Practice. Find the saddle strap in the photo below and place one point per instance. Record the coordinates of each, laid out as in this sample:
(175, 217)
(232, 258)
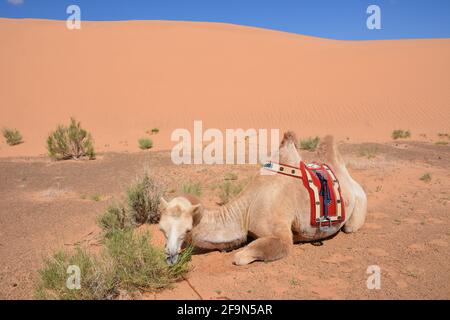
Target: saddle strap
(283, 169)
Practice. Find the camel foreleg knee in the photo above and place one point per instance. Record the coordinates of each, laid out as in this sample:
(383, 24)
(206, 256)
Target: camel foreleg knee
(265, 249)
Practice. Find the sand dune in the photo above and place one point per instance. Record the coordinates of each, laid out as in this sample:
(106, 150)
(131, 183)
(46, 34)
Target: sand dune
(123, 78)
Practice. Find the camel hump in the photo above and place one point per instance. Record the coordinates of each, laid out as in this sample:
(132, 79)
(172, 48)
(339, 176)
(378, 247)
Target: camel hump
(330, 153)
(289, 136)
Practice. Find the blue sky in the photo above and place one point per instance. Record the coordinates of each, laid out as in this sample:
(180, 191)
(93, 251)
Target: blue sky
(337, 19)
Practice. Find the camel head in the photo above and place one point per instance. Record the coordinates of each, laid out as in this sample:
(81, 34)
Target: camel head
(178, 217)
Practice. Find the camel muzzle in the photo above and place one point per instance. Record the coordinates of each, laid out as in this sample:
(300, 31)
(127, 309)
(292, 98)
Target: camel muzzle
(172, 259)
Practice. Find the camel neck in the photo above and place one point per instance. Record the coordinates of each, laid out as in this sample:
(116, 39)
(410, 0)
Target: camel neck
(224, 227)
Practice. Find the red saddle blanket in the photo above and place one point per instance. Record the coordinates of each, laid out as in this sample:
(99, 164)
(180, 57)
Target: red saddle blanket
(327, 205)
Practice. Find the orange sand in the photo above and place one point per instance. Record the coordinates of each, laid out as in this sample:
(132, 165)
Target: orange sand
(123, 78)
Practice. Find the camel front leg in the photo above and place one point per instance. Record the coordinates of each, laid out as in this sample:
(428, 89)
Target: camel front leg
(265, 248)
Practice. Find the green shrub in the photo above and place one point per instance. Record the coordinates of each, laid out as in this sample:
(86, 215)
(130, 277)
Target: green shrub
(128, 261)
(97, 277)
(231, 176)
(426, 177)
(309, 143)
(228, 190)
(400, 134)
(137, 264)
(114, 218)
(12, 136)
(145, 143)
(96, 197)
(193, 188)
(143, 200)
(72, 142)
(368, 152)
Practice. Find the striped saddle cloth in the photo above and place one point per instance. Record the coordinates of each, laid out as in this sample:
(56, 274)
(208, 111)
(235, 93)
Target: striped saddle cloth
(327, 205)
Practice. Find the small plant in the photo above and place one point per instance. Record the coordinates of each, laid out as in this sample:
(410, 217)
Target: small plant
(231, 176)
(97, 281)
(128, 261)
(426, 177)
(143, 200)
(70, 142)
(12, 136)
(137, 264)
(193, 188)
(441, 143)
(368, 152)
(145, 143)
(401, 134)
(96, 197)
(228, 190)
(154, 130)
(114, 218)
(293, 282)
(309, 143)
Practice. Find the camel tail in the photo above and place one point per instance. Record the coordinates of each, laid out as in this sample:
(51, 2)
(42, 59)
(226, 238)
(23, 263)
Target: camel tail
(328, 148)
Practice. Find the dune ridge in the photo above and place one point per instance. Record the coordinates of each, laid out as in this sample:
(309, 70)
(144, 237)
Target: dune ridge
(121, 79)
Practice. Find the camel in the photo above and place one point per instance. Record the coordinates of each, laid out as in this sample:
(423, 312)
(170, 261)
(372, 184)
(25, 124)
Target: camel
(273, 209)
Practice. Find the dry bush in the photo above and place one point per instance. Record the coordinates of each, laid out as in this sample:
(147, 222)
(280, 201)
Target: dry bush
(12, 136)
(309, 143)
(400, 134)
(72, 142)
(143, 200)
(128, 261)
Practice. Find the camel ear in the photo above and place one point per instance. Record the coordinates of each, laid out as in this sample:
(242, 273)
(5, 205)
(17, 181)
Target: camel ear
(196, 213)
(163, 204)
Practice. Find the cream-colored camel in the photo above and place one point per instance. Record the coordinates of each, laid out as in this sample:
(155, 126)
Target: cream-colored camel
(273, 209)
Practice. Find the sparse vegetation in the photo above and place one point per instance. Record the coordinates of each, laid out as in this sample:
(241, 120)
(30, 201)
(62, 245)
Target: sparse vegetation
(228, 190)
(116, 217)
(72, 142)
(145, 143)
(426, 177)
(231, 176)
(96, 197)
(12, 136)
(401, 134)
(441, 143)
(97, 281)
(368, 152)
(193, 188)
(143, 200)
(128, 261)
(294, 282)
(309, 143)
(154, 130)
(137, 264)
(142, 206)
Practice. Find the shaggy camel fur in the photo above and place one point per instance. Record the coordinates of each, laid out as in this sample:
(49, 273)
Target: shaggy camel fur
(273, 209)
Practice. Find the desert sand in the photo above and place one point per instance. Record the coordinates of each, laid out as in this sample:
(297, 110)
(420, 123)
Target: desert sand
(47, 206)
(121, 79)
